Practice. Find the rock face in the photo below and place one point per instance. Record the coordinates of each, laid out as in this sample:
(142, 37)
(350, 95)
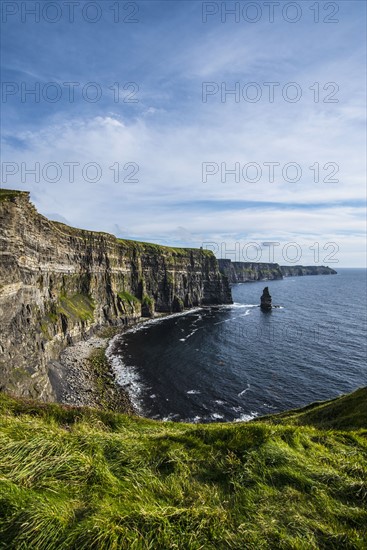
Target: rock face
(244, 272)
(265, 303)
(300, 270)
(59, 284)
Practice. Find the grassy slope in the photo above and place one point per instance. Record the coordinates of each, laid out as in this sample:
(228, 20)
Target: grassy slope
(85, 479)
(342, 413)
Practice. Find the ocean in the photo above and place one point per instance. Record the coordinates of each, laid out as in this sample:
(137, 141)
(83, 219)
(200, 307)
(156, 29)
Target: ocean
(233, 363)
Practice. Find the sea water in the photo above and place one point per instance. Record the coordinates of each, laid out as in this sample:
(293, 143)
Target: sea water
(233, 363)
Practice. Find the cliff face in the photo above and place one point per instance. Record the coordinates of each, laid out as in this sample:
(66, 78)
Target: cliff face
(244, 272)
(58, 284)
(300, 270)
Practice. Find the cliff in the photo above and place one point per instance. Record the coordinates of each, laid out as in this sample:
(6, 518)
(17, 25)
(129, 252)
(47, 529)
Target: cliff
(300, 270)
(58, 284)
(244, 272)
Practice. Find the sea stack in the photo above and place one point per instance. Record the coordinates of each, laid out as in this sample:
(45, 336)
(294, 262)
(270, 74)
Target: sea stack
(265, 304)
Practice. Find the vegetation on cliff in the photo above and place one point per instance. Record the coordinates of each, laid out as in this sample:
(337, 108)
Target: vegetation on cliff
(73, 478)
(9, 194)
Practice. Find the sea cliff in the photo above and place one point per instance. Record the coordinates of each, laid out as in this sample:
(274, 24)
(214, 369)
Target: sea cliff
(244, 272)
(59, 284)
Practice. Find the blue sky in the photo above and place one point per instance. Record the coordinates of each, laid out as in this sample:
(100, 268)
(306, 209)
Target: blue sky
(169, 138)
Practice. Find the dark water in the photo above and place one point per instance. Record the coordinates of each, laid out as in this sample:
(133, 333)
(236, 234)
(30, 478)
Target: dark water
(235, 362)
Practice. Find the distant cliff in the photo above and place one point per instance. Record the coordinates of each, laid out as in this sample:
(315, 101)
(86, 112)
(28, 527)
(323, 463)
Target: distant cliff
(244, 272)
(300, 270)
(58, 284)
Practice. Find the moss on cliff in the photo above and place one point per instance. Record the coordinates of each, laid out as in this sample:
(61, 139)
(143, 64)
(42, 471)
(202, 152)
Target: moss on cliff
(147, 306)
(131, 304)
(78, 307)
(124, 296)
(74, 308)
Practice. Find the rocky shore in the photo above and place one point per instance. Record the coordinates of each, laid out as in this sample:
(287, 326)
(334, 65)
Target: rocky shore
(83, 377)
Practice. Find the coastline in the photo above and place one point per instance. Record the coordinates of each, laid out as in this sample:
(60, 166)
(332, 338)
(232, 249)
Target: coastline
(84, 374)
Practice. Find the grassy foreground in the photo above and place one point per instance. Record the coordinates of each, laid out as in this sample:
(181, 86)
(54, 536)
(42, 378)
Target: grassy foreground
(85, 479)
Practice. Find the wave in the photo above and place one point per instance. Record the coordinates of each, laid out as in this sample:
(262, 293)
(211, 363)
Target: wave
(246, 417)
(128, 378)
(212, 417)
(244, 391)
(156, 320)
(247, 312)
(170, 417)
(189, 335)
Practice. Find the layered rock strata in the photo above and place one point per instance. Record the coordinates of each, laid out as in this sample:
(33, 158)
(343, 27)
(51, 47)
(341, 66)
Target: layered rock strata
(59, 284)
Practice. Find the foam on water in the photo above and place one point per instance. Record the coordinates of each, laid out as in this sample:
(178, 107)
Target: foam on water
(127, 377)
(244, 391)
(246, 417)
(155, 321)
(189, 335)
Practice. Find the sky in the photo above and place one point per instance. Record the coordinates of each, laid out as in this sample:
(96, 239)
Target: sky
(236, 126)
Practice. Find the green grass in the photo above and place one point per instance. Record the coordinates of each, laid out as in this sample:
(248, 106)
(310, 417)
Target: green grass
(147, 300)
(77, 307)
(127, 297)
(73, 478)
(158, 249)
(132, 301)
(342, 413)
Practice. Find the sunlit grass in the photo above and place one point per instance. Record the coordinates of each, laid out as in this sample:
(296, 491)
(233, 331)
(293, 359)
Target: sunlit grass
(84, 479)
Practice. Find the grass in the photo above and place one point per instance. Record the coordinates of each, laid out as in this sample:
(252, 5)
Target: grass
(129, 298)
(147, 301)
(342, 413)
(74, 478)
(162, 250)
(77, 307)
(132, 304)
